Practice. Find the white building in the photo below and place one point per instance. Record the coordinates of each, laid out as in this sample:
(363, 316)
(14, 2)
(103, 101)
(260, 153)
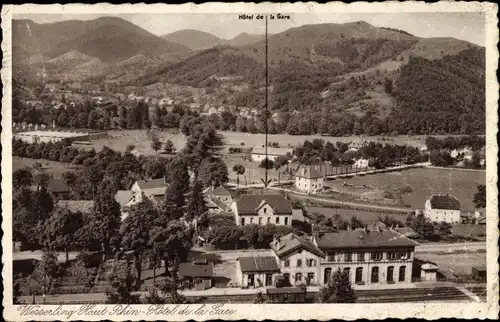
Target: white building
(439, 208)
(357, 144)
(309, 180)
(259, 153)
(361, 163)
(262, 210)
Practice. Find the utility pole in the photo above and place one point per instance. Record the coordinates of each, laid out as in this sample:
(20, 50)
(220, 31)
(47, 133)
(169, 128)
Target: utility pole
(266, 112)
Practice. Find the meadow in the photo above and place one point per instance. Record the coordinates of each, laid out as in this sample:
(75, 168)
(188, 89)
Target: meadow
(366, 216)
(423, 182)
(460, 262)
(56, 169)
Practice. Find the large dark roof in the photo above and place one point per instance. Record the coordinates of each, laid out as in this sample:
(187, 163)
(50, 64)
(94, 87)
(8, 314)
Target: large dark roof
(308, 173)
(196, 270)
(444, 202)
(258, 264)
(249, 204)
(292, 242)
(155, 183)
(362, 239)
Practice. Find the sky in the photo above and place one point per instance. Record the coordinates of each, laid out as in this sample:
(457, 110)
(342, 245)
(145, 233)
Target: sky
(469, 26)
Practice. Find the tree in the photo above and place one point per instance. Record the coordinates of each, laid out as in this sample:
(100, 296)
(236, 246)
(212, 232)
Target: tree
(60, 230)
(480, 197)
(22, 178)
(213, 171)
(155, 143)
(69, 178)
(44, 277)
(267, 164)
(259, 299)
(338, 289)
(169, 147)
(135, 233)
(121, 288)
(239, 170)
(196, 205)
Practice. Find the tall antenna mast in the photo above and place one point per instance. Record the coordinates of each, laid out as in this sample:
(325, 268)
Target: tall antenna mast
(266, 182)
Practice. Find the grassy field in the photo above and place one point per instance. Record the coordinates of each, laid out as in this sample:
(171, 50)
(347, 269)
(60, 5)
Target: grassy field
(119, 140)
(367, 217)
(285, 140)
(423, 182)
(56, 169)
(461, 263)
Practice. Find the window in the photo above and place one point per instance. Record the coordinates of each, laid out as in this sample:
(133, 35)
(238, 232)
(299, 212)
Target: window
(277, 220)
(251, 220)
(331, 257)
(347, 271)
(286, 220)
(310, 278)
(299, 262)
(348, 257)
(311, 262)
(298, 277)
(402, 273)
(376, 256)
(359, 274)
(328, 275)
(375, 274)
(260, 220)
(394, 255)
(268, 220)
(243, 221)
(361, 257)
(265, 210)
(287, 263)
(390, 274)
(286, 276)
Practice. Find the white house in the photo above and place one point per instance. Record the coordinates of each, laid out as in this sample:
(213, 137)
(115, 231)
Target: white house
(259, 153)
(309, 180)
(357, 144)
(361, 163)
(439, 208)
(262, 210)
(298, 259)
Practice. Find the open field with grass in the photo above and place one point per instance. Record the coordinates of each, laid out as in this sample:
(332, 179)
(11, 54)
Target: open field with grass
(119, 140)
(367, 217)
(285, 140)
(460, 262)
(56, 169)
(423, 183)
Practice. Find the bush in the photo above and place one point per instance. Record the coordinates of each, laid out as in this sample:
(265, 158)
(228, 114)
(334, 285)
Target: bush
(267, 163)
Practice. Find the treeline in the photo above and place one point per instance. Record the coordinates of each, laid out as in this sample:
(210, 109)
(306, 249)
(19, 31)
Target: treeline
(380, 155)
(474, 142)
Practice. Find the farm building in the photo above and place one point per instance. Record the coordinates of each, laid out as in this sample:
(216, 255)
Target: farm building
(259, 153)
(257, 271)
(309, 180)
(439, 208)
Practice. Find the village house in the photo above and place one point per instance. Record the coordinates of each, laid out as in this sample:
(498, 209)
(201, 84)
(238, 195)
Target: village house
(219, 197)
(465, 153)
(59, 189)
(442, 208)
(309, 180)
(298, 259)
(357, 144)
(480, 216)
(152, 188)
(262, 210)
(361, 163)
(259, 153)
(198, 273)
(257, 271)
(369, 257)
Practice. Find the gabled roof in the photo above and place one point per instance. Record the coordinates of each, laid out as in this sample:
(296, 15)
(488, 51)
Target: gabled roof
(444, 202)
(308, 172)
(272, 151)
(291, 242)
(122, 197)
(196, 270)
(218, 191)
(258, 264)
(362, 239)
(83, 206)
(150, 184)
(249, 204)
